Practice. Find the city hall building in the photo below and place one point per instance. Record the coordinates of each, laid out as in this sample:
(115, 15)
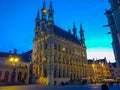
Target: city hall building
(58, 55)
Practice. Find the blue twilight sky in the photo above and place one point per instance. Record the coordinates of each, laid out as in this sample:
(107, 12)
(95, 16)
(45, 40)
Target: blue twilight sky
(17, 24)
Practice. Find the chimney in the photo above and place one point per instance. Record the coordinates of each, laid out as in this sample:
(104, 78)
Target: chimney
(10, 52)
(15, 51)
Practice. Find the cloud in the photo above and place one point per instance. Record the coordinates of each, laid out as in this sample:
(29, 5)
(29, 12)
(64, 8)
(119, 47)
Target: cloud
(100, 53)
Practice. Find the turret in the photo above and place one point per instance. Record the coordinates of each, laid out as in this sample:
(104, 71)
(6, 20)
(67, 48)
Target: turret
(44, 12)
(82, 39)
(37, 20)
(37, 27)
(74, 30)
(50, 14)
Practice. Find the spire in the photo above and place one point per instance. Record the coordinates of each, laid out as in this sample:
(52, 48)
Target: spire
(37, 20)
(50, 14)
(50, 11)
(81, 27)
(38, 16)
(74, 29)
(74, 25)
(37, 27)
(44, 5)
(82, 39)
(50, 5)
(44, 11)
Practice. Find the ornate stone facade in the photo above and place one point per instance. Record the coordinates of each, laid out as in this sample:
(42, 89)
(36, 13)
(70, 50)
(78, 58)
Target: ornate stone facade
(58, 56)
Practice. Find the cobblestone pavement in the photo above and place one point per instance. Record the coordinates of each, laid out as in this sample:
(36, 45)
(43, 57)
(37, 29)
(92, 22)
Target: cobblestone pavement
(67, 87)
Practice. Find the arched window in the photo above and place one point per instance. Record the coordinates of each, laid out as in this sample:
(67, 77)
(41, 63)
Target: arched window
(45, 72)
(19, 76)
(55, 45)
(13, 74)
(59, 72)
(6, 76)
(25, 75)
(68, 72)
(40, 46)
(40, 70)
(45, 45)
(26, 67)
(59, 47)
(64, 73)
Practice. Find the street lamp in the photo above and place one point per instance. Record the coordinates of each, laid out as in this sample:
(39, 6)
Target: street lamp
(14, 60)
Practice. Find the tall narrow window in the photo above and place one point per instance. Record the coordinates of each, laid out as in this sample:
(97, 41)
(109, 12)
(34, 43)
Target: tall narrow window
(45, 45)
(13, 74)
(6, 76)
(19, 76)
(40, 46)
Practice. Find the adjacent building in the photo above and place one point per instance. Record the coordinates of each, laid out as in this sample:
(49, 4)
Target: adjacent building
(58, 55)
(14, 68)
(98, 70)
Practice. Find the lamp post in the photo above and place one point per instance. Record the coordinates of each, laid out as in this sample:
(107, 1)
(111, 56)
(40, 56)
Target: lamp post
(13, 60)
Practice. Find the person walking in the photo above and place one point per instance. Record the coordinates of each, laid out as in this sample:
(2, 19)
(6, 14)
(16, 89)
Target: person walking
(104, 86)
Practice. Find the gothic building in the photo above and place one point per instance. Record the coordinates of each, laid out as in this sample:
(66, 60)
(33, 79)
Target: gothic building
(113, 16)
(58, 55)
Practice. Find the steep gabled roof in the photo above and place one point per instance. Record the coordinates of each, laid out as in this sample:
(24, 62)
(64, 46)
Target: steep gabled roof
(26, 57)
(4, 54)
(64, 34)
(114, 64)
(90, 61)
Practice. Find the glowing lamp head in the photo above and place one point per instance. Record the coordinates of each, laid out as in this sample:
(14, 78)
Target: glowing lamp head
(11, 59)
(16, 59)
